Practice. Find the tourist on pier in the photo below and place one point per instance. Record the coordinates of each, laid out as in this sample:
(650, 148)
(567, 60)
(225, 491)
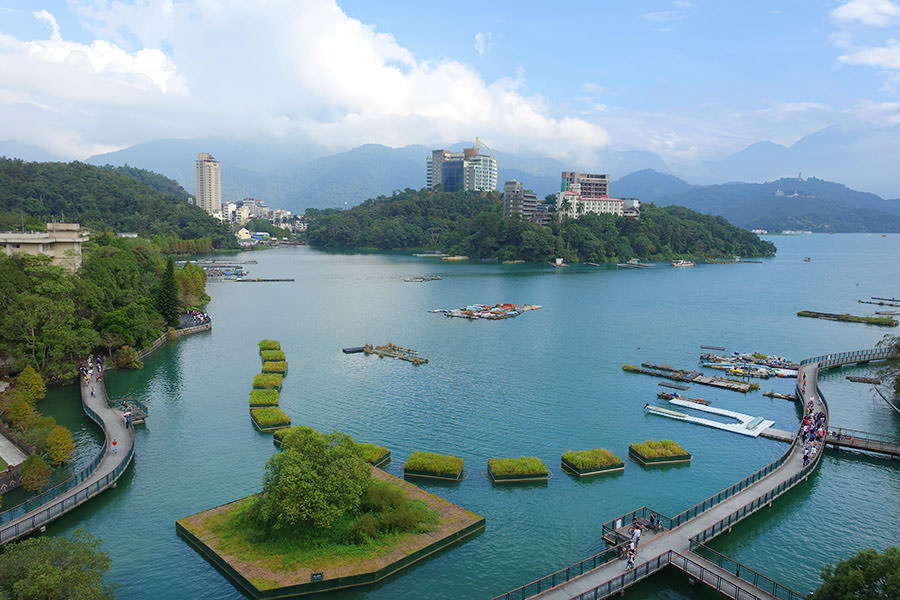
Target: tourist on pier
(654, 525)
(629, 555)
(636, 535)
(114, 443)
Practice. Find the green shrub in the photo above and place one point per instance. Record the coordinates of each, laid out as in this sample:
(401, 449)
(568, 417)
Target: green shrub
(658, 449)
(524, 465)
(432, 462)
(35, 473)
(271, 354)
(269, 345)
(271, 416)
(595, 457)
(127, 357)
(370, 452)
(267, 381)
(264, 397)
(274, 366)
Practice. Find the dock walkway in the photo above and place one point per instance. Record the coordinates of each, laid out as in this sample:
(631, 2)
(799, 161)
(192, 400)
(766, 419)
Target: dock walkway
(680, 540)
(100, 474)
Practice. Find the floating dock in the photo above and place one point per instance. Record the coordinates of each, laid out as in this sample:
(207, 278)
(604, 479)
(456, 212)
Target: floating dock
(694, 377)
(676, 396)
(781, 396)
(395, 351)
(719, 348)
(856, 379)
(261, 279)
(487, 311)
(746, 424)
(674, 386)
(353, 350)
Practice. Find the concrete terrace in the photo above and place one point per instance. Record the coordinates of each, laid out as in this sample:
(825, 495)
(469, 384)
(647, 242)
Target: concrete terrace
(101, 474)
(681, 546)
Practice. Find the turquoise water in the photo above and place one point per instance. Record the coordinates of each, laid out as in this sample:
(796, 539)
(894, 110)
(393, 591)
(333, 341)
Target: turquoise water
(540, 384)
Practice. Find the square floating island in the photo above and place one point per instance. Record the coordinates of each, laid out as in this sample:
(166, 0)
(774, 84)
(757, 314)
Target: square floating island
(269, 345)
(512, 470)
(261, 398)
(275, 366)
(271, 355)
(658, 452)
(434, 466)
(270, 418)
(284, 568)
(591, 462)
(265, 381)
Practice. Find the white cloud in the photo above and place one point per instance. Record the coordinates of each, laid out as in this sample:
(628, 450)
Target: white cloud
(282, 68)
(879, 57)
(664, 15)
(481, 42)
(875, 13)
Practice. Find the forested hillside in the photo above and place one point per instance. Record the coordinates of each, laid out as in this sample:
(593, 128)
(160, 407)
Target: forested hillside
(102, 199)
(471, 224)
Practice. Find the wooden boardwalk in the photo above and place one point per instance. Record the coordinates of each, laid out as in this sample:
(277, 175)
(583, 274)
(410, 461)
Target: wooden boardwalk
(680, 542)
(100, 475)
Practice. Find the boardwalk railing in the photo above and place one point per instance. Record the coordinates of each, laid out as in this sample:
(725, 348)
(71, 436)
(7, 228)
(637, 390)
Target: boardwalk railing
(744, 572)
(842, 358)
(563, 575)
(627, 578)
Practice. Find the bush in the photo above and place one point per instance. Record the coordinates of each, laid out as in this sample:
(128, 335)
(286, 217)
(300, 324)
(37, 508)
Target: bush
(271, 354)
(35, 473)
(31, 385)
(127, 357)
(274, 366)
(386, 509)
(658, 449)
(267, 381)
(595, 457)
(431, 462)
(269, 345)
(271, 416)
(21, 413)
(59, 445)
(264, 397)
(524, 465)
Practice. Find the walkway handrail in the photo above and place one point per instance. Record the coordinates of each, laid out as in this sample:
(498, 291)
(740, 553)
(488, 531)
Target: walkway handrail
(861, 435)
(627, 578)
(766, 584)
(830, 360)
(563, 575)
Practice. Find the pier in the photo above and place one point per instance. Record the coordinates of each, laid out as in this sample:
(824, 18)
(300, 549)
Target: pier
(101, 474)
(692, 377)
(782, 396)
(393, 351)
(679, 541)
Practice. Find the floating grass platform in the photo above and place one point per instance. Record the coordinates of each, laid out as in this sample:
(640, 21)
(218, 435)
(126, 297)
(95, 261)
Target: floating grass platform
(270, 418)
(394, 351)
(591, 462)
(524, 468)
(271, 355)
(434, 466)
(269, 345)
(848, 318)
(261, 398)
(267, 381)
(275, 366)
(261, 573)
(653, 452)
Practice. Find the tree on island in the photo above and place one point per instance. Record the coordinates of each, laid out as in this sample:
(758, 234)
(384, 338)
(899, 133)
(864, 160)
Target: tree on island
(167, 295)
(890, 374)
(55, 567)
(867, 575)
(316, 479)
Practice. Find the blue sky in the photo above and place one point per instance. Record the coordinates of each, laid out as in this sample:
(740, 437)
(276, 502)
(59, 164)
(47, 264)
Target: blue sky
(689, 80)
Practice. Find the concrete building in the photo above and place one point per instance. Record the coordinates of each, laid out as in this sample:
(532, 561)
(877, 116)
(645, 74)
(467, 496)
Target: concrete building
(517, 201)
(467, 170)
(572, 204)
(209, 183)
(591, 185)
(61, 242)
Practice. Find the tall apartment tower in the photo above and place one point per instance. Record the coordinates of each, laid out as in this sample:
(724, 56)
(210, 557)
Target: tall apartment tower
(592, 185)
(209, 184)
(518, 202)
(467, 170)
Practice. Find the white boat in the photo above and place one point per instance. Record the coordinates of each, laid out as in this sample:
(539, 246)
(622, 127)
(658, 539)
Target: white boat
(633, 263)
(683, 263)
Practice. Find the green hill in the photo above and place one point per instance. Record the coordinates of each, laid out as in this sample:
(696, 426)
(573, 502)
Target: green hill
(121, 199)
(471, 224)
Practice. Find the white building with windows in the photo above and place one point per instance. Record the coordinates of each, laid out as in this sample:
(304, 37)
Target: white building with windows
(468, 170)
(571, 204)
(209, 183)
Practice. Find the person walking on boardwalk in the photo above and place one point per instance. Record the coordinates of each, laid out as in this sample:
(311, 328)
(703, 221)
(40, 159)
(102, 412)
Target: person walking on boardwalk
(114, 443)
(629, 562)
(636, 535)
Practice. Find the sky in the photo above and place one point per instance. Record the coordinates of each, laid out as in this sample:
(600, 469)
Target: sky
(690, 80)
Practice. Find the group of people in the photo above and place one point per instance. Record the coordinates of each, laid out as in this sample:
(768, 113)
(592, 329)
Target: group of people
(812, 432)
(87, 369)
(194, 317)
(636, 529)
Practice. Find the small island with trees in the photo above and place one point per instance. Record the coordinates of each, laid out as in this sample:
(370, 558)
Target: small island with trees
(325, 519)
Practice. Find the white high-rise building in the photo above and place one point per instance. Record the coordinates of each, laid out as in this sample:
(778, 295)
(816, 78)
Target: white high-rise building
(209, 183)
(456, 171)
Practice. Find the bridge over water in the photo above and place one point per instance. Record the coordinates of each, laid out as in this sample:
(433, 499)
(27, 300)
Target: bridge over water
(679, 541)
(101, 474)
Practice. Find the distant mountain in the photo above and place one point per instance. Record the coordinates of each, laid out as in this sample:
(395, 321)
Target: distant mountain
(649, 186)
(13, 149)
(863, 157)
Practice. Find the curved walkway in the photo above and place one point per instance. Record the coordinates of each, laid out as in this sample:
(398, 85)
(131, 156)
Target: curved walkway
(101, 474)
(685, 533)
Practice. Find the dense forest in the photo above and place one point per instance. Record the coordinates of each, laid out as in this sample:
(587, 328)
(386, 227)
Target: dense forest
(470, 223)
(118, 299)
(122, 199)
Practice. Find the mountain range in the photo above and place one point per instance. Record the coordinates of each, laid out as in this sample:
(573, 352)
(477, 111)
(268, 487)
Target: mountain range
(296, 174)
